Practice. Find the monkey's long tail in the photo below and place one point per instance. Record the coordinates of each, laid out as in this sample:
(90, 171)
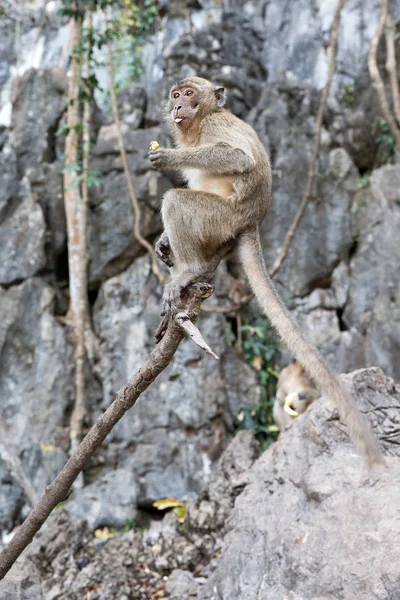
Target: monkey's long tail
(251, 256)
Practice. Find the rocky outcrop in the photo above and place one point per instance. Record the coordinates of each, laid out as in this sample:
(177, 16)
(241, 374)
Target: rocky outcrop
(305, 520)
(373, 306)
(36, 386)
(312, 522)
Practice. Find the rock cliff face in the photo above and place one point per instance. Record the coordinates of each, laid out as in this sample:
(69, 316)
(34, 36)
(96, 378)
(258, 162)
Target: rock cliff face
(305, 520)
(341, 277)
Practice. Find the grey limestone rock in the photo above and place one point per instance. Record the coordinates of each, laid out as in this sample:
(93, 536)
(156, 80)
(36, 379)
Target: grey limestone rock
(39, 103)
(22, 237)
(313, 522)
(182, 423)
(108, 501)
(373, 306)
(22, 582)
(36, 385)
(112, 243)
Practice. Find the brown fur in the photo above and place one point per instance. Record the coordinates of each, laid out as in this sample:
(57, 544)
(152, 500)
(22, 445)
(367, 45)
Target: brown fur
(229, 177)
(293, 378)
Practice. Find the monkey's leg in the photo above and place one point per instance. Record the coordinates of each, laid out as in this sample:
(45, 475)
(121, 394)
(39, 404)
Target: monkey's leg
(197, 225)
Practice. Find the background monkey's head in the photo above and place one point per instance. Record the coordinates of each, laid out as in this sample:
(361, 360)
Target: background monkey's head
(194, 98)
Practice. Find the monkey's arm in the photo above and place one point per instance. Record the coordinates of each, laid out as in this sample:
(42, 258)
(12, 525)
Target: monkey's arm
(219, 159)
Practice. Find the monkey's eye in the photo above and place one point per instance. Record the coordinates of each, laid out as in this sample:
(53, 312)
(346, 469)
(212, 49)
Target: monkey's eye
(176, 95)
(189, 93)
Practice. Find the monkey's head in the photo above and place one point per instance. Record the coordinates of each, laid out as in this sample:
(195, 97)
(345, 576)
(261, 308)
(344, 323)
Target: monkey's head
(194, 98)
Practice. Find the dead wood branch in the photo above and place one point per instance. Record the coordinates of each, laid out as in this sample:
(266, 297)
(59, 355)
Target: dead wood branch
(190, 328)
(376, 77)
(315, 151)
(135, 204)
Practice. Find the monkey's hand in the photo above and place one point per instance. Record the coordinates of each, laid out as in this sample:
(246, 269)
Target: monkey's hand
(163, 159)
(163, 251)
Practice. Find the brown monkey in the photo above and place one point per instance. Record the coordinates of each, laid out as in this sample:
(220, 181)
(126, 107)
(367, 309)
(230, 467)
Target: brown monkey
(229, 179)
(294, 394)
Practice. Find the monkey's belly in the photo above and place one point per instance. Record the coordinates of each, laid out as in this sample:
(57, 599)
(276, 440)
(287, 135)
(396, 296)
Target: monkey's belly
(213, 184)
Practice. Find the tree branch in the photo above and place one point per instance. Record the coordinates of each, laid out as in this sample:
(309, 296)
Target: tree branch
(376, 77)
(317, 139)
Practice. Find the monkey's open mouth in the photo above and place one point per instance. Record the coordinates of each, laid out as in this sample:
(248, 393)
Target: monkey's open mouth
(179, 119)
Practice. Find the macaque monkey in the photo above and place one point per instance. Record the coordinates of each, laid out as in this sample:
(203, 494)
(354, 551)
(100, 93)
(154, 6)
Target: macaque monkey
(228, 175)
(294, 394)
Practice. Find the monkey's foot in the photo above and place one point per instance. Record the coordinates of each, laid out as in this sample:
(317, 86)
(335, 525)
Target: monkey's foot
(171, 300)
(163, 251)
(161, 330)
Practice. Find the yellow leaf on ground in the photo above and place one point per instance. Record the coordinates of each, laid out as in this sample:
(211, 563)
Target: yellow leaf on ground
(165, 503)
(103, 534)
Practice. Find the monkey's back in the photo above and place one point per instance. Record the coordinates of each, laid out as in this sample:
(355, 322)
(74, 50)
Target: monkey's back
(253, 187)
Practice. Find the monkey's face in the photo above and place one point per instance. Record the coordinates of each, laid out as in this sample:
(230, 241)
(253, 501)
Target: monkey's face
(184, 105)
(194, 97)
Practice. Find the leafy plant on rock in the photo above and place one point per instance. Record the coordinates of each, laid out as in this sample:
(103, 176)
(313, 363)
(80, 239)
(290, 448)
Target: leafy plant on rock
(261, 351)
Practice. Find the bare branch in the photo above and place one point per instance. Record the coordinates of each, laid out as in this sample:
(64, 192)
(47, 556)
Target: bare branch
(190, 328)
(317, 139)
(391, 67)
(376, 77)
(135, 204)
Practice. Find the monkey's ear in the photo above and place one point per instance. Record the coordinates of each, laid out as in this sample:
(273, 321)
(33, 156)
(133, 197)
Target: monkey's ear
(220, 95)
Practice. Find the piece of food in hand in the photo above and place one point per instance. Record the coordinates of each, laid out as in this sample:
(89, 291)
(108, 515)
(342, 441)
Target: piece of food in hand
(287, 407)
(154, 145)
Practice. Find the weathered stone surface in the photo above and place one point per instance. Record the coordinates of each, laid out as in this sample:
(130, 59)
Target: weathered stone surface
(110, 500)
(22, 237)
(373, 306)
(306, 520)
(39, 102)
(182, 423)
(132, 105)
(324, 237)
(35, 383)
(111, 219)
(72, 562)
(312, 522)
(22, 583)
(46, 186)
(8, 176)
(181, 585)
